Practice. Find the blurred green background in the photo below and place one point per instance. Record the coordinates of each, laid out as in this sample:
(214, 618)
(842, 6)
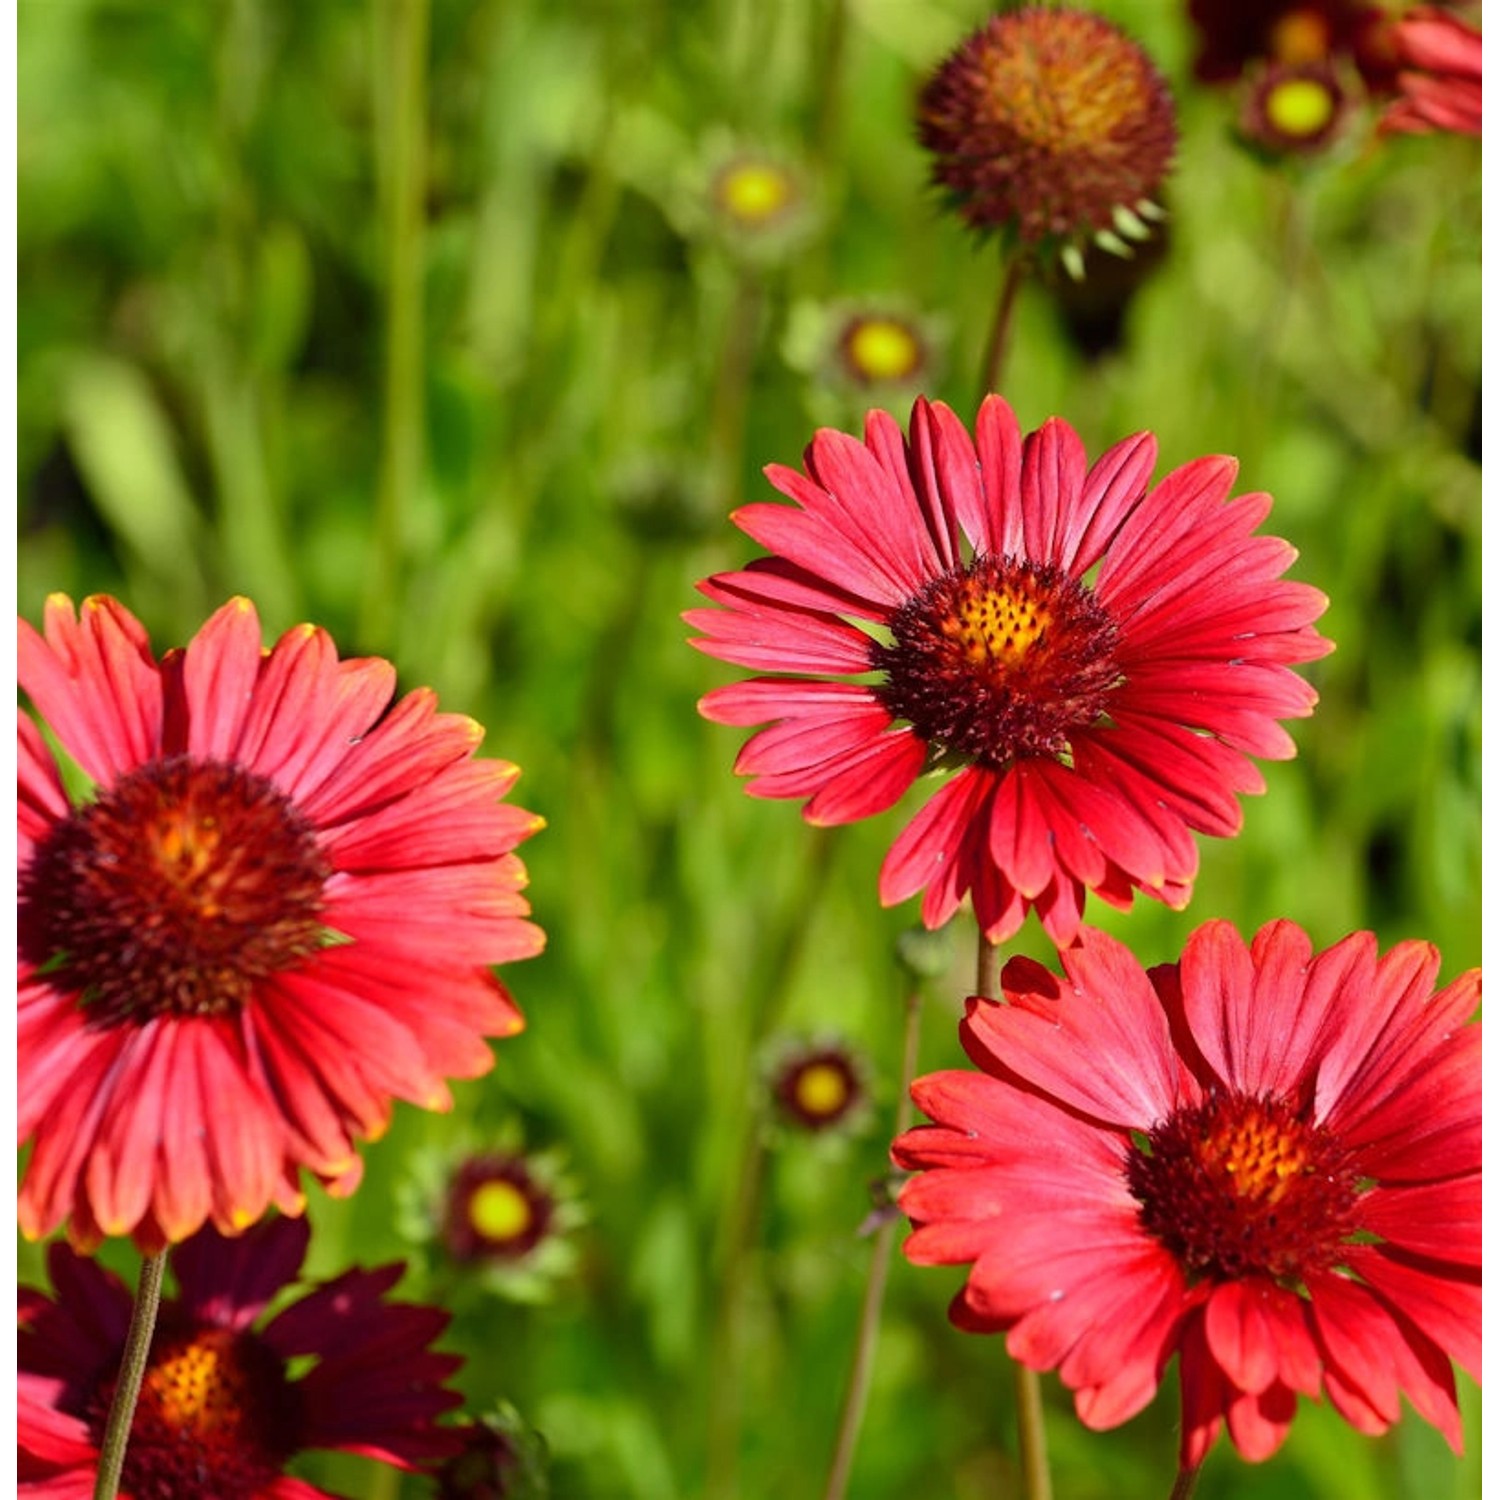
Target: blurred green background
(418, 320)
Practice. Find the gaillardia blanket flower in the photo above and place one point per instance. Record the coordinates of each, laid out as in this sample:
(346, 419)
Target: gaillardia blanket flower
(220, 1410)
(273, 914)
(1051, 125)
(1442, 74)
(1095, 657)
(1261, 1159)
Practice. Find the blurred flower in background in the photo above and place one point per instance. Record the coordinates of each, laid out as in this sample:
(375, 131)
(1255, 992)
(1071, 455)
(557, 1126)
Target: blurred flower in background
(271, 914)
(1051, 126)
(1293, 108)
(1095, 307)
(1234, 35)
(819, 1086)
(1263, 1159)
(856, 349)
(1094, 719)
(501, 1459)
(221, 1410)
(495, 1213)
(1441, 73)
(755, 200)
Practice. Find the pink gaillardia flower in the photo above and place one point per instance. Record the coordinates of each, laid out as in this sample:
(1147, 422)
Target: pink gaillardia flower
(220, 1411)
(1093, 657)
(274, 913)
(1441, 76)
(1261, 1159)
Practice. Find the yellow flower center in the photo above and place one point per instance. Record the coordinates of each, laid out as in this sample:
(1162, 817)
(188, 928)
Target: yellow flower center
(754, 193)
(822, 1089)
(500, 1211)
(993, 628)
(1300, 107)
(882, 349)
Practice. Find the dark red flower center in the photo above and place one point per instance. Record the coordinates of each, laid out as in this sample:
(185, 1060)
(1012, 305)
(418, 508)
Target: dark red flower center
(818, 1090)
(216, 1416)
(175, 892)
(999, 661)
(496, 1210)
(1242, 1185)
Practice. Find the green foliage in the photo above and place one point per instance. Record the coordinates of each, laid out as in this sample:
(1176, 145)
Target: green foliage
(208, 226)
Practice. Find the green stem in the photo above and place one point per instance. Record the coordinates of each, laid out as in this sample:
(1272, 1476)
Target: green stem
(1030, 1423)
(132, 1369)
(868, 1336)
(769, 987)
(1187, 1482)
(998, 342)
(400, 73)
(732, 386)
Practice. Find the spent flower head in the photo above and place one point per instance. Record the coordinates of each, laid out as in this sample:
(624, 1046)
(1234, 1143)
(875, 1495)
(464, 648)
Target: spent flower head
(1050, 125)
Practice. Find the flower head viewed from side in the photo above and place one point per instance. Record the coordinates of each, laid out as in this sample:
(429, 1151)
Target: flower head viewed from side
(1441, 76)
(1051, 124)
(1095, 657)
(1262, 1159)
(221, 1411)
(273, 914)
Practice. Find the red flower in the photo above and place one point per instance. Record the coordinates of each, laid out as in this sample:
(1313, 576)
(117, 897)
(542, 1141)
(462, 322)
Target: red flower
(1232, 34)
(1049, 123)
(220, 1412)
(274, 915)
(1263, 1159)
(1441, 77)
(1095, 656)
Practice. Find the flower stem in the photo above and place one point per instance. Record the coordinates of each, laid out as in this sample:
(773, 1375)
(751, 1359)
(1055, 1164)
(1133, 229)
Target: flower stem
(1030, 1425)
(401, 107)
(132, 1369)
(769, 985)
(880, 1263)
(1187, 1482)
(732, 386)
(999, 340)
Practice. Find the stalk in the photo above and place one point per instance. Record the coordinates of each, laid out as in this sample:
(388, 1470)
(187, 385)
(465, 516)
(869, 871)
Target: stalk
(132, 1370)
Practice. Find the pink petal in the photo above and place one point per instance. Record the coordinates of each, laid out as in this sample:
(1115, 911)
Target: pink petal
(1053, 468)
(1001, 528)
(930, 842)
(93, 680)
(1113, 488)
(945, 469)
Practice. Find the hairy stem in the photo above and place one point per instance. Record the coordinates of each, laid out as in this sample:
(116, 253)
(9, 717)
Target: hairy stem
(132, 1369)
(998, 343)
